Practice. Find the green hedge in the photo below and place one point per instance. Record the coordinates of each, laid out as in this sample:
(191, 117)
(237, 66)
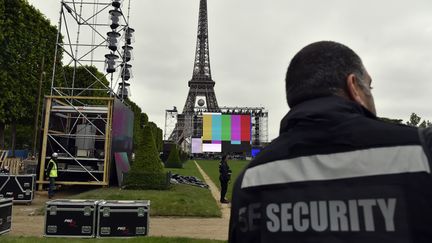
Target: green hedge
(145, 180)
(183, 156)
(147, 170)
(173, 160)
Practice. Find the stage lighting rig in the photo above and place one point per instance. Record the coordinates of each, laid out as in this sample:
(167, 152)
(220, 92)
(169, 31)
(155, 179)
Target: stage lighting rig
(127, 53)
(114, 16)
(116, 3)
(129, 36)
(113, 40)
(123, 90)
(126, 72)
(110, 62)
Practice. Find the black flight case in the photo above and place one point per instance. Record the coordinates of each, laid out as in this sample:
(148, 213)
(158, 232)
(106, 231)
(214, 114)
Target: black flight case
(123, 218)
(19, 187)
(70, 218)
(5, 215)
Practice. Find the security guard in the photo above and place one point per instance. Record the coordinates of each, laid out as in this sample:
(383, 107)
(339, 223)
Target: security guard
(51, 173)
(224, 177)
(336, 173)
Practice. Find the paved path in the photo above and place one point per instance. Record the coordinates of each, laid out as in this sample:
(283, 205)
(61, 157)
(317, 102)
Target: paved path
(225, 208)
(23, 224)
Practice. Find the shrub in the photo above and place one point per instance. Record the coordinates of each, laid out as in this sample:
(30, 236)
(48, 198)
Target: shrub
(183, 156)
(145, 180)
(147, 171)
(173, 160)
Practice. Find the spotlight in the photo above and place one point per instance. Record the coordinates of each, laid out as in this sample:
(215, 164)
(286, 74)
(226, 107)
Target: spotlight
(116, 3)
(115, 18)
(112, 40)
(123, 90)
(126, 71)
(110, 62)
(127, 53)
(129, 36)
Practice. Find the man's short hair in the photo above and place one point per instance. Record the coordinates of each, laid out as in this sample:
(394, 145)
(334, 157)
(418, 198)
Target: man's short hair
(320, 69)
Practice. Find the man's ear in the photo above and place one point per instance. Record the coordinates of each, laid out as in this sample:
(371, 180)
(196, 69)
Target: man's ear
(355, 89)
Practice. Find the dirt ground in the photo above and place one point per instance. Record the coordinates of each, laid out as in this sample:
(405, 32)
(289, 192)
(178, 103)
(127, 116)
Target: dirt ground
(26, 222)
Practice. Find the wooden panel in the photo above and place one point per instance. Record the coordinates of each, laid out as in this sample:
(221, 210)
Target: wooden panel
(15, 165)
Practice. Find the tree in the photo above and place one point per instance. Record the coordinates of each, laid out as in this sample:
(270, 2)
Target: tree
(416, 121)
(137, 123)
(425, 123)
(85, 77)
(157, 134)
(26, 38)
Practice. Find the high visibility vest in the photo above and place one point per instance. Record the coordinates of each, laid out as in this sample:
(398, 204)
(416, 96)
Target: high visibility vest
(53, 172)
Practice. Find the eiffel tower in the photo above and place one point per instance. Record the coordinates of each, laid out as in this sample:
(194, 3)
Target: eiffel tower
(201, 96)
(201, 93)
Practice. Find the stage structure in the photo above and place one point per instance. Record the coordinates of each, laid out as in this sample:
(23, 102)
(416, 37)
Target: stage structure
(259, 122)
(170, 122)
(201, 96)
(85, 120)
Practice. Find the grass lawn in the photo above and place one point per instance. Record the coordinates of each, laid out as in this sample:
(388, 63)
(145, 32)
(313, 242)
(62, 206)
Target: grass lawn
(180, 200)
(211, 168)
(131, 240)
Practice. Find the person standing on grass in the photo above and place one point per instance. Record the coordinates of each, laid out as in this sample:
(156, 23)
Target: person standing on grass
(51, 173)
(224, 177)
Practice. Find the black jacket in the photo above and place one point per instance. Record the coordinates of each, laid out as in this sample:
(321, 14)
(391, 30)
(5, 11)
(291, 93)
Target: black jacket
(336, 174)
(224, 171)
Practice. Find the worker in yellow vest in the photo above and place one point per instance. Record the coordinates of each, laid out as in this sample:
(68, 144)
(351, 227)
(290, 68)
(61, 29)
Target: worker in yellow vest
(51, 173)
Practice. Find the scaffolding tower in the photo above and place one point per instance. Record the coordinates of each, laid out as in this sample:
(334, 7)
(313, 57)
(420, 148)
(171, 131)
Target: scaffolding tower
(93, 35)
(259, 122)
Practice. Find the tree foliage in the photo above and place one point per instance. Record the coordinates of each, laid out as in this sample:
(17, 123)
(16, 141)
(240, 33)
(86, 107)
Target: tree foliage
(84, 80)
(140, 121)
(26, 38)
(157, 134)
(183, 156)
(416, 121)
(137, 123)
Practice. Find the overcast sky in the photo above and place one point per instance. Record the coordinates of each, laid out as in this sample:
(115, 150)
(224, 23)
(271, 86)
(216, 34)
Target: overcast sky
(252, 42)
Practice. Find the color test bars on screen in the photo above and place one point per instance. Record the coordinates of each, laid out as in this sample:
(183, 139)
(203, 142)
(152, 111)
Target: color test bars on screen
(224, 133)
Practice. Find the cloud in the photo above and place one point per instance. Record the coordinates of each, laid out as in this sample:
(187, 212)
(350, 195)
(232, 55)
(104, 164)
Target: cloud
(252, 42)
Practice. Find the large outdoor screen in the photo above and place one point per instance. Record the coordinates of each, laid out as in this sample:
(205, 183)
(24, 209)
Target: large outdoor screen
(226, 133)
